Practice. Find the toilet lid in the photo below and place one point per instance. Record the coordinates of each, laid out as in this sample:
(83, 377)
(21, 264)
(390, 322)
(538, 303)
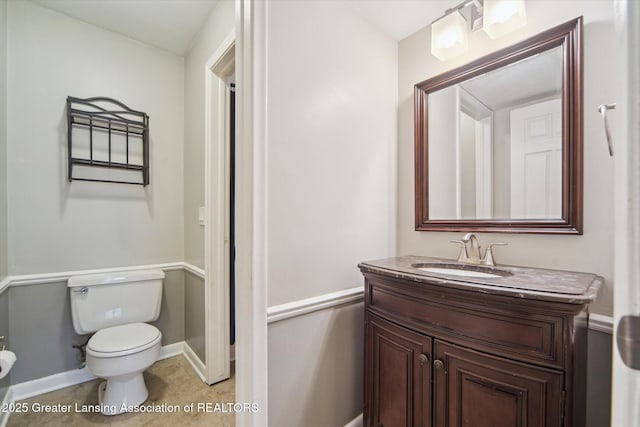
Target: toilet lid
(122, 338)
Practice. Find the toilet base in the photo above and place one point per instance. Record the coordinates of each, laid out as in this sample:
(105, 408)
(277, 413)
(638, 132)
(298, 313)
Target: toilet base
(118, 394)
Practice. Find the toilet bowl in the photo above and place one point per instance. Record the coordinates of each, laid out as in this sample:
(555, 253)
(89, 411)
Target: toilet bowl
(119, 355)
(115, 307)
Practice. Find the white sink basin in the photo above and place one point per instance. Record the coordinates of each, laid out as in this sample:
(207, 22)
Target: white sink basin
(462, 270)
(459, 272)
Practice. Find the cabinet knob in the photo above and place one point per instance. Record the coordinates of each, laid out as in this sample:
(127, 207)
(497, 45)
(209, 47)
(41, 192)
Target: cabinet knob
(423, 358)
(438, 364)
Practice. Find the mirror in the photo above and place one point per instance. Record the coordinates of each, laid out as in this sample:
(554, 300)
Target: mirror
(499, 140)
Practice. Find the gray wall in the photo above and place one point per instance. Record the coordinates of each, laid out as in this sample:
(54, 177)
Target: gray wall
(42, 331)
(319, 361)
(3, 142)
(172, 313)
(4, 330)
(599, 379)
(194, 318)
(4, 301)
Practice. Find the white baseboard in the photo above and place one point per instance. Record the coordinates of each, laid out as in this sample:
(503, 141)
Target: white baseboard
(195, 362)
(54, 382)
(4, 416)
(170, 350)
(39, 386)
(356, 422)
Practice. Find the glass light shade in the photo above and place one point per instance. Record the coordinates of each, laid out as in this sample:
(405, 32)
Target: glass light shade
(503, 16)
(449, 36)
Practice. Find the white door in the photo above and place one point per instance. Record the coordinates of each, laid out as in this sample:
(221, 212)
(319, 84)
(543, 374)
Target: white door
(626, 139)
(536, 160)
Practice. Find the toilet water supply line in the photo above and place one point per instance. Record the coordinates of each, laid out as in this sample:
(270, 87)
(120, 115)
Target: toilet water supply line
(82, 357)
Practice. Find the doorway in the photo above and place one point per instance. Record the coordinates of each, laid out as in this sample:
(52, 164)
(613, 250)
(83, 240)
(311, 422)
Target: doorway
(219, 212)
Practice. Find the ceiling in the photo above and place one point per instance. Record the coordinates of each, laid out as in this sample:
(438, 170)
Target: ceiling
(400, 18)
(528, 79)
(167, 24)
(173, 24)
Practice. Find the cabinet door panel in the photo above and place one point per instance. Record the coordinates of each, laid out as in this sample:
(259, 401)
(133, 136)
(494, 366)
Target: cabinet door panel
(475, 389)
(398, 376)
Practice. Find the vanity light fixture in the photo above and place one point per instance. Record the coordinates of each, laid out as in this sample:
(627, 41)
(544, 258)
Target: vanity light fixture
(503, 16)
(450, 33)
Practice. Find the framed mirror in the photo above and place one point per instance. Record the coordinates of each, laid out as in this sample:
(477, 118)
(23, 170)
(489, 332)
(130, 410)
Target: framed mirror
(498, 142)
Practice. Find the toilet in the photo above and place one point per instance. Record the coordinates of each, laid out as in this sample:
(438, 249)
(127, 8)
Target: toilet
(116, 306)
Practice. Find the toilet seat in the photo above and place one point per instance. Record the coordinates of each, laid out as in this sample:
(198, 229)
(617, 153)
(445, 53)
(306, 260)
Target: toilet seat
(123, 340)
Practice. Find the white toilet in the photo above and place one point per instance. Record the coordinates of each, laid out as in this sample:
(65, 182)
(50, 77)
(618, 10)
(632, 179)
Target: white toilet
(114, 306)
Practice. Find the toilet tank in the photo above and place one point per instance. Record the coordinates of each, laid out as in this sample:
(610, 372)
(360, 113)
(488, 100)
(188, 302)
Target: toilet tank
(102, 300)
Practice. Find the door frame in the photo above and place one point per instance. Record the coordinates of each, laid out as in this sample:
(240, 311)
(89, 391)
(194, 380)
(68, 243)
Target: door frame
(626, 136)
(251, 211)
(218, 70)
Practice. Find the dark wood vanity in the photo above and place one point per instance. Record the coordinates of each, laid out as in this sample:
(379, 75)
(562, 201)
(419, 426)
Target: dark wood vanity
(443, 350)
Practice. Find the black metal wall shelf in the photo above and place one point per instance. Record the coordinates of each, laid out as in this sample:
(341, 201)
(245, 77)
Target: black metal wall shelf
(108, 141)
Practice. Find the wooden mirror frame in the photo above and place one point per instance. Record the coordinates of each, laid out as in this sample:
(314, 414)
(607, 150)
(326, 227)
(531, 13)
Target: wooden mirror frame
(569, 37)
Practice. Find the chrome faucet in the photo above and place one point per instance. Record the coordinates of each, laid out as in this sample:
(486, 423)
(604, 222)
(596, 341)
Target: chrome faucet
(473, 255)
(474, 249)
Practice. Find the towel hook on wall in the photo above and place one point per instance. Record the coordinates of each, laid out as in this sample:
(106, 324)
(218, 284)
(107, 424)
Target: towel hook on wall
(603, 108)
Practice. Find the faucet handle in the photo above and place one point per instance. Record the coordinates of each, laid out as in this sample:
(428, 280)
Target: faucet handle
(463, 256)
(488, 255)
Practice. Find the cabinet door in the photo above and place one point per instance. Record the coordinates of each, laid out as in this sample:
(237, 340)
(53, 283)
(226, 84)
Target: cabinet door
(398, 376)
(478, 390)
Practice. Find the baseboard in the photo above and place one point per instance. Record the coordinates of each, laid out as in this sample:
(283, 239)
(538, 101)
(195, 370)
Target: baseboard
(54, 382)
(195, 362)
(4, 416)
(356, 422)
(170, 350)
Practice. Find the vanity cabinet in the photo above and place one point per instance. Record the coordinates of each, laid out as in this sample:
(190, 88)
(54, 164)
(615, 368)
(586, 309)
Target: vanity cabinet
(441, 352)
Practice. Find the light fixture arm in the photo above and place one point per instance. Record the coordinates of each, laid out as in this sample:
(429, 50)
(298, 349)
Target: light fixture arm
(465, 3)
(471, 10)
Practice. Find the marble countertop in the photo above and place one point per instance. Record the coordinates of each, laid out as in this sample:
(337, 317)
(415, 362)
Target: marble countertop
(520, 282)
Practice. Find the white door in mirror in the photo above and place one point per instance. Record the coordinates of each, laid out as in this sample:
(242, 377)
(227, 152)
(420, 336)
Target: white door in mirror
(536, 161)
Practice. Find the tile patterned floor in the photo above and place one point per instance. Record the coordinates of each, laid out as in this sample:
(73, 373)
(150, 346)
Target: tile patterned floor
(171, 382)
